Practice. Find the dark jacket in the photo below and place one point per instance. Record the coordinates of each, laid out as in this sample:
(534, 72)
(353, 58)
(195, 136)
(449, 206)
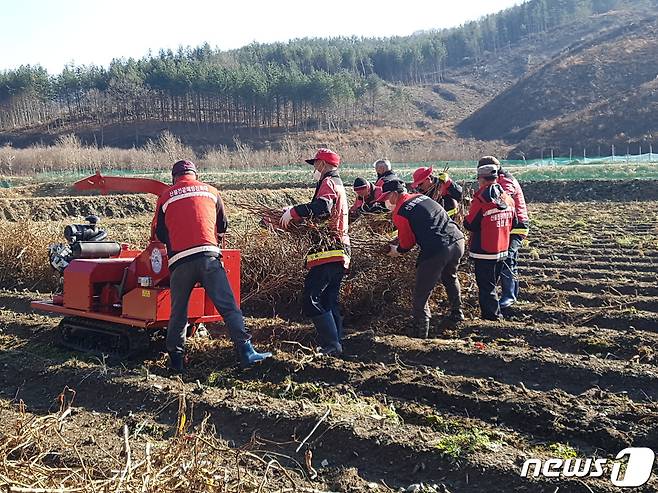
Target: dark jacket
(420, 220)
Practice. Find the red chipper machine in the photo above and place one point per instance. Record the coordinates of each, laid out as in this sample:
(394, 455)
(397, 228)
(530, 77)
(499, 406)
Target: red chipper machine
(114, 297)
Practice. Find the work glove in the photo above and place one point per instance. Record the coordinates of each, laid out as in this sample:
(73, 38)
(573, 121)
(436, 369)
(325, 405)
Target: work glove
(443, 177)
(287, 217)
(393, 251)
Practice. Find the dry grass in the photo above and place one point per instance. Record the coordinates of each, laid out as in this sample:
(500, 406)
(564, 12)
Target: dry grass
(362, 146)
(40, 454)
(69, 155)
(24, 255)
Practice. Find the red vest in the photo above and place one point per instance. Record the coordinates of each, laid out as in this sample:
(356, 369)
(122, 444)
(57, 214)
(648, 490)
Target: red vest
(189, 215)
(490, 226)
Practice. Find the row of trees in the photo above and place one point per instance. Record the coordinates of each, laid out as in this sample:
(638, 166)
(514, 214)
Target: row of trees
(181, 87)
(327, 81)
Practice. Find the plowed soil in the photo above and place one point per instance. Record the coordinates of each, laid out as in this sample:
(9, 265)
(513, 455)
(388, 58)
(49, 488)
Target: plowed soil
(572, 371)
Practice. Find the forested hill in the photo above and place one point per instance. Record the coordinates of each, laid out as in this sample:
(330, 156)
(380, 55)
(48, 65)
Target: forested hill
(429, 80)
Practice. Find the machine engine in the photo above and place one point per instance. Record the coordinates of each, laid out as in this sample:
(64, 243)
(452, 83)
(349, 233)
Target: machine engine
(84, 241)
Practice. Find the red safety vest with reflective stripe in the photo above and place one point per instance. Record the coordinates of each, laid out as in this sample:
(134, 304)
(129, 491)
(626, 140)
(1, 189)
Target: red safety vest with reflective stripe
(329, 203)
(368, 202)
(490, 226)
(189, 215)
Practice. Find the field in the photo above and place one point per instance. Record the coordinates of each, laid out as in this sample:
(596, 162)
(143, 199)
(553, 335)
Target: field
(572, 374)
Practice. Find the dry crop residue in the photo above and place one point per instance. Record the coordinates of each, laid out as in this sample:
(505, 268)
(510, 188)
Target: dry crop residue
(574, 372)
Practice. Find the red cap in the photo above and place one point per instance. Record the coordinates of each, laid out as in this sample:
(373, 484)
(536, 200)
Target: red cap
(326, 155)
(420, 175)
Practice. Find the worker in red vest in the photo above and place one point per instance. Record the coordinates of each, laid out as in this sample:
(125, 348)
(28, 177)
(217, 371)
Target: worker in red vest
(384, 170)
(327, 264)
(440, 188)
(366, 195)
(189, 217)
(509, 277)
(490, 221)
(423, 222)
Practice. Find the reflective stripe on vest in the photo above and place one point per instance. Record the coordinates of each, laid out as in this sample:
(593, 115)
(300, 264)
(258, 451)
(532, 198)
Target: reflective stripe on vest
(188, 195)
(488, 256)
(192, 251)
(312, 257)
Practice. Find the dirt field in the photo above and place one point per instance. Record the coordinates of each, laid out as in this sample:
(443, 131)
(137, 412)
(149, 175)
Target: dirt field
(573, 374)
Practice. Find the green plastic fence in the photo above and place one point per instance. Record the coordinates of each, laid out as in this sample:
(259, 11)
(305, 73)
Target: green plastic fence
(559, 168)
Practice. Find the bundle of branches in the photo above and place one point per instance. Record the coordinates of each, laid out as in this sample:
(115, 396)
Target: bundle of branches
(273, 259)
(41, 454)
(270, 218)
(273, 266)
(467, 198)
(380, 224)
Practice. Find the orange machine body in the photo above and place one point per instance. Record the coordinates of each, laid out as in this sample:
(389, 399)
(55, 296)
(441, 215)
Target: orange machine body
(94, 288)
(133, 287)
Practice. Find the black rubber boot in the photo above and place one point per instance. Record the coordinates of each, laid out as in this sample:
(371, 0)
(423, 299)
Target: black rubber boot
(325, 326)
(338, 318)
(176, 363)
(453, 319)
(421, 329)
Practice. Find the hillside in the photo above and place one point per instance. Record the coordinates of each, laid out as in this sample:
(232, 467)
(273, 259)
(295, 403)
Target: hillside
(597, 92)
(544, 75)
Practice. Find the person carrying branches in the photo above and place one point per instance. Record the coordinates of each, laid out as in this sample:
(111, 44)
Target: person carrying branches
(366, 193)
(424, 222)
(329, 260)
(440, 188)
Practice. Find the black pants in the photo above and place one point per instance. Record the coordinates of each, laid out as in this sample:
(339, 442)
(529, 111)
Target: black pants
(210, 272)
(322, 289)
(487, 275)
(441, 267)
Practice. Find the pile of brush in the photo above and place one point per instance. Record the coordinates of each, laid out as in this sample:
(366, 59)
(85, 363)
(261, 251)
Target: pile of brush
(40, 454)
(273, 265)
(272, 257)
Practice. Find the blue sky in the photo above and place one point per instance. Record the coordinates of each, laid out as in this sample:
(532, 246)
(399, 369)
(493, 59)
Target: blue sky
(53, 33)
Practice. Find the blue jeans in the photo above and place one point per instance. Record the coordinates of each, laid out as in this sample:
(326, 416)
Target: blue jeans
(322, 291)
(509, 275)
